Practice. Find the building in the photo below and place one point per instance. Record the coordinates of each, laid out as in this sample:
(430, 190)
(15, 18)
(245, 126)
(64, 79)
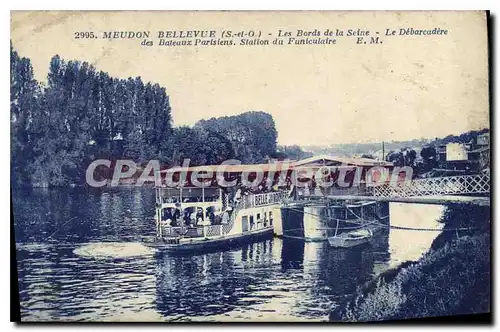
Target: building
(466, 157)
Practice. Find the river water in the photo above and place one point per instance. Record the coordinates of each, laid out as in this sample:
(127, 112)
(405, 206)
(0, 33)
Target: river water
(80, 258)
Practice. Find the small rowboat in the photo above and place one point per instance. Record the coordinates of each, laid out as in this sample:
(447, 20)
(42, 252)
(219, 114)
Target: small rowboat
(350, 239)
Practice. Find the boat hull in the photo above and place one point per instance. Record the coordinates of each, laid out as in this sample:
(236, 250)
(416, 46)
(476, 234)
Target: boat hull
(339, 242)
(213, 244)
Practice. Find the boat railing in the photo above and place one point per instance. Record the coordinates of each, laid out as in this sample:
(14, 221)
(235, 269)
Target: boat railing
(199, 231)
(226, 228)
(246, 201)
(212, 230)
(187, 194)
(180, 231)
(171, 200)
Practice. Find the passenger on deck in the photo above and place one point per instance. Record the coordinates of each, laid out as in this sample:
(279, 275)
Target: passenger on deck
(186, 217)
(292, 191)
(268, 184)
(200, 220)
(166, 214)
(199, 215)
(237, 196)
(306, 192)
(211, 217)
(225, 216)
(208, 213)
(177, 214)
(253, 190)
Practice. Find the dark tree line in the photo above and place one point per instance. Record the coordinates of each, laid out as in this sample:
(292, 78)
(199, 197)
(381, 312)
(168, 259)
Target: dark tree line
(404, 157)
(24, 106)
(82, 114)
(467, 137)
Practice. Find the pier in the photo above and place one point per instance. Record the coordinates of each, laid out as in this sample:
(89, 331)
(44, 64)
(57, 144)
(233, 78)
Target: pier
(463, 189)
(439, 200)
(313, 215)
(473, 189)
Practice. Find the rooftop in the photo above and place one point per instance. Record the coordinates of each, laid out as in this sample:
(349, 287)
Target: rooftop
(316, 161)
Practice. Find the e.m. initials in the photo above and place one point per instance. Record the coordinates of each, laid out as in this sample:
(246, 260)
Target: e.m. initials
(363, 37)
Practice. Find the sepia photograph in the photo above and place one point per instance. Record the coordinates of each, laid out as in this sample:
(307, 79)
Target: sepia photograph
(250, 166)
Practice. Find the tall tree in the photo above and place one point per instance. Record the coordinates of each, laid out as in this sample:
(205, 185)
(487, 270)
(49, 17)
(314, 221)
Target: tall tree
(24, 105)
(253, 135)
(429, 158)
(80, 115)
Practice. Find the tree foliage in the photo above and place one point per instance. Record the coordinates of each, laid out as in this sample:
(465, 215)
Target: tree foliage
(404, 157)
(429, 158)
(25, 110)
(82, 114)
(252, 135)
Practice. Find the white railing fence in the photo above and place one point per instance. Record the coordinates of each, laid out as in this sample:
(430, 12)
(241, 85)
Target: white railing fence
(450, 185)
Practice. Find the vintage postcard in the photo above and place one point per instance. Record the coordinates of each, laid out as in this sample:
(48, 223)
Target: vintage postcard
(250, 166)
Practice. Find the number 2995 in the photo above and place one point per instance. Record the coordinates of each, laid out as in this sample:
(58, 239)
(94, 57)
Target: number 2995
(84, 35)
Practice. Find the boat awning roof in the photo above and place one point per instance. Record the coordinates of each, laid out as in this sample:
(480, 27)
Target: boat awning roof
(313, 162)
(326, 159)
(234, 168)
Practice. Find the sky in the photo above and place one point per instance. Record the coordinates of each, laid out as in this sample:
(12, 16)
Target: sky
(405, 88)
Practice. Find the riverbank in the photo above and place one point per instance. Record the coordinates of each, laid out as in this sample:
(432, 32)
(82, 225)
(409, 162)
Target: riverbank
(452, 278)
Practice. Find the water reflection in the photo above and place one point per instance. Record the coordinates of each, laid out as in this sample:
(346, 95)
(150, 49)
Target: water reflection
(94, 268)
(291, 277)
(58, 284)
(292, 254)
(407, 245)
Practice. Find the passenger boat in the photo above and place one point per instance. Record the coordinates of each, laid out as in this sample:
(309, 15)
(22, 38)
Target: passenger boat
(351, 239)
(191, 219)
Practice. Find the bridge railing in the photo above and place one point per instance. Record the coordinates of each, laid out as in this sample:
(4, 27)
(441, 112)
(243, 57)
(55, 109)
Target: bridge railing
(361, 190)
(450, 185)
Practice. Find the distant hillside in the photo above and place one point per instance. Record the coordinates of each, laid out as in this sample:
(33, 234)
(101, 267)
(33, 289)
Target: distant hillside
(375, 149)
